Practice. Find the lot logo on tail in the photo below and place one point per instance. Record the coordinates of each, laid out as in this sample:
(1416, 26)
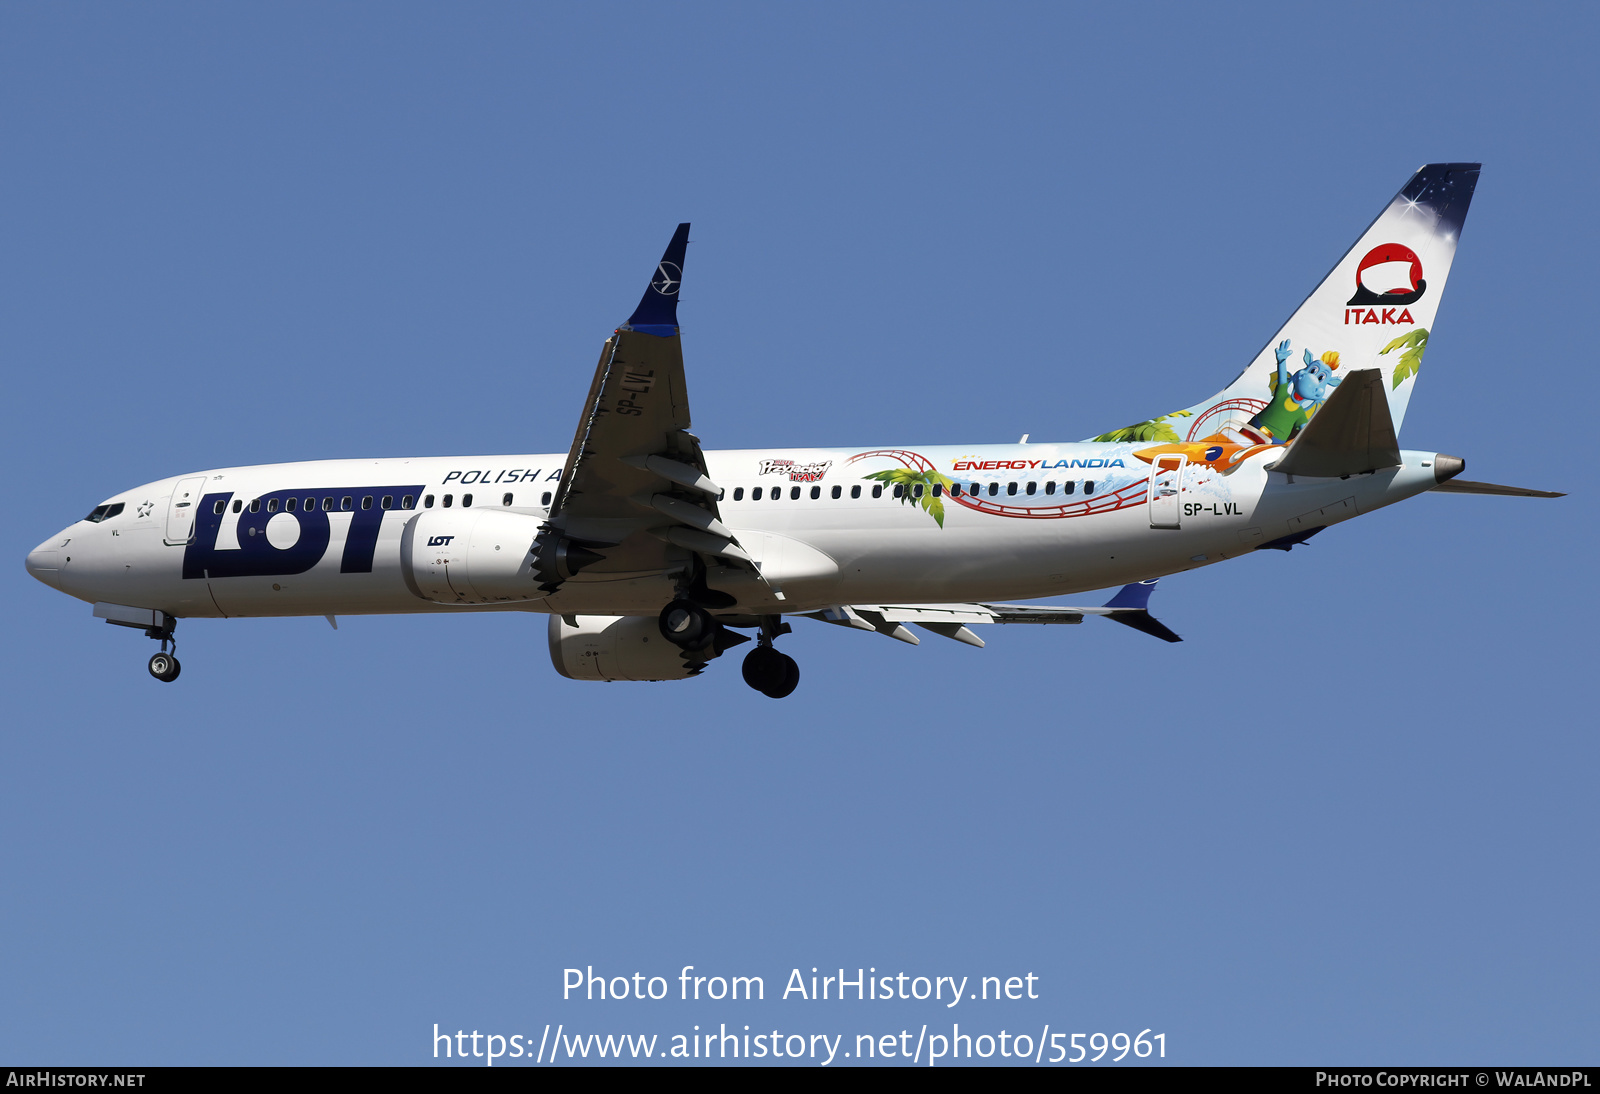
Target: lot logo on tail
(667, 279)
(1390, 274)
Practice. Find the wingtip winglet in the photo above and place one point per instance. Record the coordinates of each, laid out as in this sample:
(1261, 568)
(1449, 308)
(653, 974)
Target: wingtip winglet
(1132, 604)
(1136, 595)
(657, 312)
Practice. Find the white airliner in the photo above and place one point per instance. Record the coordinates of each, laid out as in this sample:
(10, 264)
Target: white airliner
(649, 554)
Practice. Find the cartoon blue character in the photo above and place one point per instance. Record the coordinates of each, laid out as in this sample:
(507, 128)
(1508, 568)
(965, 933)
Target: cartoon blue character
(1295, 397)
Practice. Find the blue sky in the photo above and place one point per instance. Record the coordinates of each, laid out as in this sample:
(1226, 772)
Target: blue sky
(1350, 820)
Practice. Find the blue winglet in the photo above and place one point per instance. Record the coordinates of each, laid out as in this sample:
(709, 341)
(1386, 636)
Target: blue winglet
(1133, 610)
(657, 312)
(1136, 595)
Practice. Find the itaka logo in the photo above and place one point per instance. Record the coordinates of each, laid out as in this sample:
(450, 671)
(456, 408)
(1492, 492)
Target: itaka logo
(1389, 274)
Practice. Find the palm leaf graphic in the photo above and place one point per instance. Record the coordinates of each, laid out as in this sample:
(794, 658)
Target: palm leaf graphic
(1415, 343)
(1156, 429)
(909, 479)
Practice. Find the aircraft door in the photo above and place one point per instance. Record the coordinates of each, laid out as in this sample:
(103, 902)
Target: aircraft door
(1166, 483)
(181, 510)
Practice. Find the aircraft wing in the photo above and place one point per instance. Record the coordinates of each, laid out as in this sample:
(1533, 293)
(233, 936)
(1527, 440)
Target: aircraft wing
(634, 498)
(1129, 607)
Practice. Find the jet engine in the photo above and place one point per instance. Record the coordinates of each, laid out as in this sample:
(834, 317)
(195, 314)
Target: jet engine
(470, 556)
(618, 647)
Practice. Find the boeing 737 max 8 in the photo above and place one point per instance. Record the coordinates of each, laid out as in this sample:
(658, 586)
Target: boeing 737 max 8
(650, 554)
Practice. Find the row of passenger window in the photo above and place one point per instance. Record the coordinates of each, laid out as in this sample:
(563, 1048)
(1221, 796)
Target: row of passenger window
(917, 489)
(343, 505)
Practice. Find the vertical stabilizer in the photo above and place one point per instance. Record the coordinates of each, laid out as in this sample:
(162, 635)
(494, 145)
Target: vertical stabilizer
(1373, 311)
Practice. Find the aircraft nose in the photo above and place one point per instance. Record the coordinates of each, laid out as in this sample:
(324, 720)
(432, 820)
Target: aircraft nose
(44, 562)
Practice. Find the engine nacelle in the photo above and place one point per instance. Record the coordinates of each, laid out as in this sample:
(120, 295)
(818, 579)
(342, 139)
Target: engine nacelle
(470, 556)
(615, 647)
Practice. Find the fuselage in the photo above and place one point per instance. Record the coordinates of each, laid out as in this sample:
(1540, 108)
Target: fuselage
(826, 526)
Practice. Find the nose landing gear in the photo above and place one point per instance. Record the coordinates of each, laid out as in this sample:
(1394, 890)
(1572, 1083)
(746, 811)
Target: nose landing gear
(155, 624)
(165, 667)
(773, 674)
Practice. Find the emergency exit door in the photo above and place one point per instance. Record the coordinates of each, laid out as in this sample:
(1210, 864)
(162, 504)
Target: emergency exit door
(1166, 485)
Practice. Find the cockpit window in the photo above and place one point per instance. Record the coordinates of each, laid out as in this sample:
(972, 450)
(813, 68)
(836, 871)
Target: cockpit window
(104, 512)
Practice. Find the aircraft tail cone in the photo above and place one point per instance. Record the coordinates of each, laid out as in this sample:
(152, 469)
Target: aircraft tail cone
(1447, 467)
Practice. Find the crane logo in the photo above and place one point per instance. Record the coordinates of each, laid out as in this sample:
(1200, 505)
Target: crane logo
(667, 279)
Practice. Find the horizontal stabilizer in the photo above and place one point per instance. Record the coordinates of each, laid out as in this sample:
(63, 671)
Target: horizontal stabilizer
(1351, 434)
(1464, 486)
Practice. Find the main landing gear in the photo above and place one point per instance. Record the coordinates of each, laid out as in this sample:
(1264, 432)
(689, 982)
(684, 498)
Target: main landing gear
(686, 624)
(773, 674)
(692, 629)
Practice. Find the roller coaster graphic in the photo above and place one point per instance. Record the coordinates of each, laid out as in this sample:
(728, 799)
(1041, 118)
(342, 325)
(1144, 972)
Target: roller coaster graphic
(1215, 417)
(1136, 493)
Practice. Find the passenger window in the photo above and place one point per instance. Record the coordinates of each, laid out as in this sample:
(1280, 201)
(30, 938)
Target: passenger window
(816, 492)
(855, 491)
(449, 500)
(238, 506)
(366, 501)
(916, 491)
(1050, 487)
(309, 504)
(1011, 488)
(345, 504)
(1032, 486)
(794, 493)
(1088, 486)
(407, 501)
(755, 495)
(938, 488)
(386, 502)
(505, 499)
(544, 499)
(1068, 487)
(836, 492)
(877, 491)
(327, 504)
(217, 509)
(974, 489)
(955, 490)
(427, 501)
(466, 501)
(288, 506)
(899, 490)
(272, 505)
(994, 488)
(255, 505)
(738, 493)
